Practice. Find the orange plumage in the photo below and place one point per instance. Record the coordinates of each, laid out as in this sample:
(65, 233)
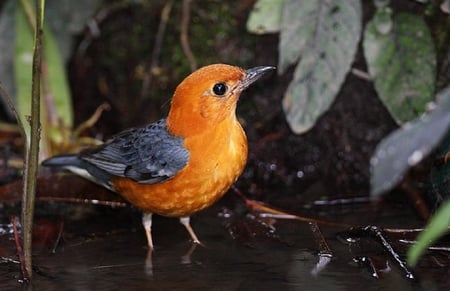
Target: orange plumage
(181, 164)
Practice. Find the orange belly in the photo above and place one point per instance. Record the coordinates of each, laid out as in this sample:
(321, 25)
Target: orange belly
(214, 165)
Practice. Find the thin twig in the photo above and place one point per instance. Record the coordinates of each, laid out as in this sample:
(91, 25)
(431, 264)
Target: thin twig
(361, 74)
(92, 120)
(28, 13)
(416, 198)
(14, 111)
(184, 36)
(23, 270)
(59, 237)
(148, 77)
(112, 204)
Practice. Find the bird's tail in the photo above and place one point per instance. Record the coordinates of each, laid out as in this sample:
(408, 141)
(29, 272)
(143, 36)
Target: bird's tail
(62, 161)
(74, 164)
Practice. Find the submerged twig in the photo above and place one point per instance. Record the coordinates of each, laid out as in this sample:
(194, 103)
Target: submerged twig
(267, 211)
(379, 236)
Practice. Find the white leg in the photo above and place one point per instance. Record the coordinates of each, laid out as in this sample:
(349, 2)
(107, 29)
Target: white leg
(147, 223)
(185, 221)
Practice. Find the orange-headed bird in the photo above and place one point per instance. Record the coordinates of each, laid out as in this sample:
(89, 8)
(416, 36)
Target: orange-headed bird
(180, 164)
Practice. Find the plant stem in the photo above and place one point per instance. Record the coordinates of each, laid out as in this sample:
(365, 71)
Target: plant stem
(31, 161)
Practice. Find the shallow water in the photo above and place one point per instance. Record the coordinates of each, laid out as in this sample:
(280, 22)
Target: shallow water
(107, 251)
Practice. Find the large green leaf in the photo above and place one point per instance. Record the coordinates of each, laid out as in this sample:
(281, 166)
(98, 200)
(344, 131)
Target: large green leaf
(265, 16)
(23, 59)
(324, 35)
(401, 61)
(407, 146)
(56, 106)
(58, 84)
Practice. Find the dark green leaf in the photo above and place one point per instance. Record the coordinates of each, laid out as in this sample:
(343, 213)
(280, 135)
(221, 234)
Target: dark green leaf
(408, 145)
(401, 61)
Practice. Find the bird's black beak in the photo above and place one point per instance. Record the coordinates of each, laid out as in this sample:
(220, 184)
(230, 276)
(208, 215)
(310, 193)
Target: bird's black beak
(253, 74)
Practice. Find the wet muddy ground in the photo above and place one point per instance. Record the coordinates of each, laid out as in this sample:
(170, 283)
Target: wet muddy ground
(105, 249)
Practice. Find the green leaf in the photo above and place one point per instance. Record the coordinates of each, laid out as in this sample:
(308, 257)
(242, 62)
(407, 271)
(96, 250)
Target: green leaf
(324, 35)
(56, 105)
(401, 61)
(57, 80)
(438, 226)
(23, 59)
(265, 16)
(409, 145)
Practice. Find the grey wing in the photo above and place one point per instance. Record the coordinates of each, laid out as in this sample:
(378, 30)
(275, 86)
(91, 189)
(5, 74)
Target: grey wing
(147, 155)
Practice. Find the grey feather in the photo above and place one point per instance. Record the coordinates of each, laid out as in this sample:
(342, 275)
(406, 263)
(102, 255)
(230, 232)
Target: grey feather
(147, 155)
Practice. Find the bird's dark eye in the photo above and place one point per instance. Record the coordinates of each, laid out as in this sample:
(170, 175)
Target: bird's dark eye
(220, 88)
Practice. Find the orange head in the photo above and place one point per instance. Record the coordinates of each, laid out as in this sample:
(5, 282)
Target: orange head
(208, 97)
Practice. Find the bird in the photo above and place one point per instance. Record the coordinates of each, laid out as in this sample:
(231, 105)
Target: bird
(182, 163)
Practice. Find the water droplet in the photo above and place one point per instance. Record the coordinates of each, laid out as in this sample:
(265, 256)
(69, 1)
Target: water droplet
(415, 158)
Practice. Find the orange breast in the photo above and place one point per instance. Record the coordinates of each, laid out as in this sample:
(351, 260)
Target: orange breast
(217, 158)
